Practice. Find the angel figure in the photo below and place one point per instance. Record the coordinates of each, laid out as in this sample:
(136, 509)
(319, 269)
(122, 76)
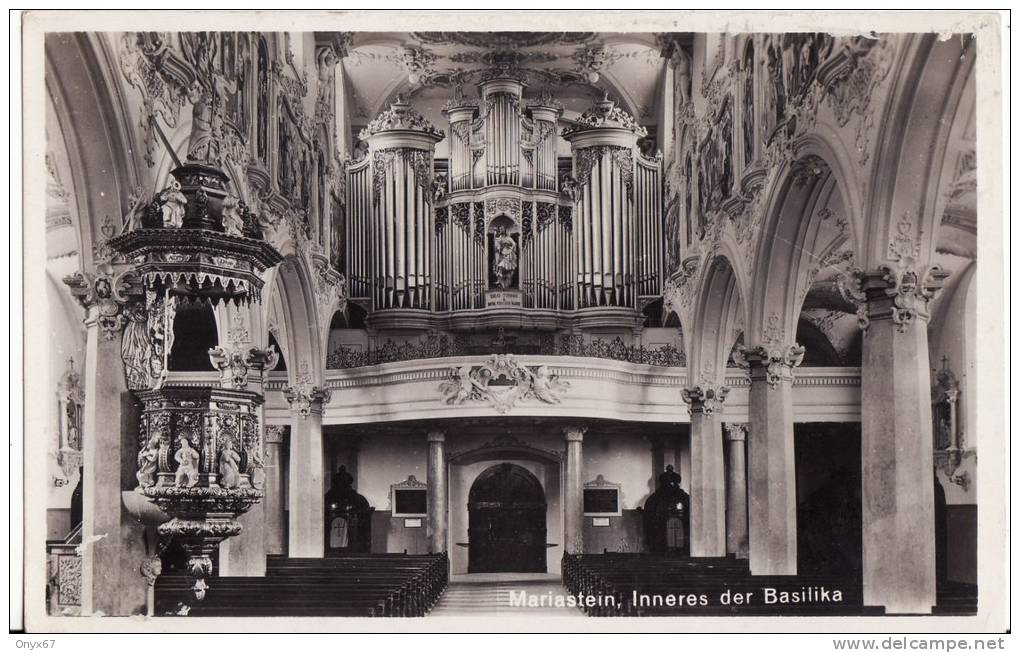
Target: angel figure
(187, 465)
(460, 386)
(568, 188)
(439, 187)
(545, 385)
(233, 221)
(229, 462)
(147, 461)
(174, 205)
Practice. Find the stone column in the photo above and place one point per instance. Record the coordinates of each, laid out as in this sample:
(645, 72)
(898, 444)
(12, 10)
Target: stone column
(736, 490)
(273, 501)
(113, 546)
(708, 508)
(772, 480)
(896, 441)
(307, 517)
(573, 507)
(437, 492)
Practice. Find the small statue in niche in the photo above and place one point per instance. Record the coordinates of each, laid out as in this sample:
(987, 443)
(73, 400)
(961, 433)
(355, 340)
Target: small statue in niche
(569, 188)
(257, 470)
(229, 463)
(439, 187)
(174, 205)
(505, 263)
(683, 75)
(187, 465)
(233, 221)
(147, 462)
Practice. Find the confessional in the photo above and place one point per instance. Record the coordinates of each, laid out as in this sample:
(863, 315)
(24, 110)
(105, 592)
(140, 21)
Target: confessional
(348, 517)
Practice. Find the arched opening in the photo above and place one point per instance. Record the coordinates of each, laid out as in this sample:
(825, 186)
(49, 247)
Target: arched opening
(506, 521)
(829, 526)
(194, 335)
(818, 351)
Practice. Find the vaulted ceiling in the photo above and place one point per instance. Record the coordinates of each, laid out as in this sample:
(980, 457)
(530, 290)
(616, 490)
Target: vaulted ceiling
(574, 67)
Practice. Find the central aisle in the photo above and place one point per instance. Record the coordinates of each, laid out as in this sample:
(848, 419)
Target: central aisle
(488, 595)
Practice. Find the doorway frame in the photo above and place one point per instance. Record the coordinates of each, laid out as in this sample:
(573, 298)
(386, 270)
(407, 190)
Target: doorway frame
(504, 449)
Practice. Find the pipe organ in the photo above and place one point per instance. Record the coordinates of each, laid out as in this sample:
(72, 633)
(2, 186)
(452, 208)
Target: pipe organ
(502, 235)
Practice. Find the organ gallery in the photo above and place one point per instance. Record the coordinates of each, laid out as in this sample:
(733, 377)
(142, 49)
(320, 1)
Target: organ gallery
(344, 321)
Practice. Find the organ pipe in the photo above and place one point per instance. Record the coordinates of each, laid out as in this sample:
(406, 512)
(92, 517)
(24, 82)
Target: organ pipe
(597, 243)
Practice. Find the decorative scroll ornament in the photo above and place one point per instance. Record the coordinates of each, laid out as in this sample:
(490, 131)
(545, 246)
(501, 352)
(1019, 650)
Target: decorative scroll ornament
(587, 158)
(234, 365)
(105, 296)
(148, 63)
(305, 398)
(509, 205)
(605, 114)
(400, 115)
(502, 383)
(419, 160)
(704, 399)
(777, 360)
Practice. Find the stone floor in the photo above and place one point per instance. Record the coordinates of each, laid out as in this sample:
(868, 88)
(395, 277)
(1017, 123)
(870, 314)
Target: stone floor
(488, 595)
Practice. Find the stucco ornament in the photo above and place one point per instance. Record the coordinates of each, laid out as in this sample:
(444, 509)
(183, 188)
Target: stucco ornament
(502, 383)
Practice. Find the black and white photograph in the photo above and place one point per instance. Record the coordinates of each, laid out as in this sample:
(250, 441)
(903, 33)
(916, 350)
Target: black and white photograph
(490, 327)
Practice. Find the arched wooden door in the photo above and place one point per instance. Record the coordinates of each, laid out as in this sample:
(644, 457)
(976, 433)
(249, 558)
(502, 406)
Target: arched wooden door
(506, 521)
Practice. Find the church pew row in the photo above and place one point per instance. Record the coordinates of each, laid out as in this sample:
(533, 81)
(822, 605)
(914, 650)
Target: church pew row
(621, 575)
(382, 585)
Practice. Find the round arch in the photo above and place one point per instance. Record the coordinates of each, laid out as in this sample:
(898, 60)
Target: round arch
(718, 313)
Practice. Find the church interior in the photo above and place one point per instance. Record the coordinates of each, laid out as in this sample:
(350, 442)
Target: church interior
(384, 323)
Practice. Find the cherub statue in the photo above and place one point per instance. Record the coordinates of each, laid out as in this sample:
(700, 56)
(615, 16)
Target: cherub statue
(460, 386)
(147, 462)
(568, 188)
(545, 385)
(229, 462)
(187, 465)
(233, 221)
(439, 187)
(174, 205)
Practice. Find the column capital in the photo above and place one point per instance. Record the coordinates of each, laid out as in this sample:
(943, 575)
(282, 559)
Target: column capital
(105, 296)
(574, 433)
(901, 292)
(735, 432)
(275, 432)
(774, 362)
(704, 399)
(306, 399)
(436, 436)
